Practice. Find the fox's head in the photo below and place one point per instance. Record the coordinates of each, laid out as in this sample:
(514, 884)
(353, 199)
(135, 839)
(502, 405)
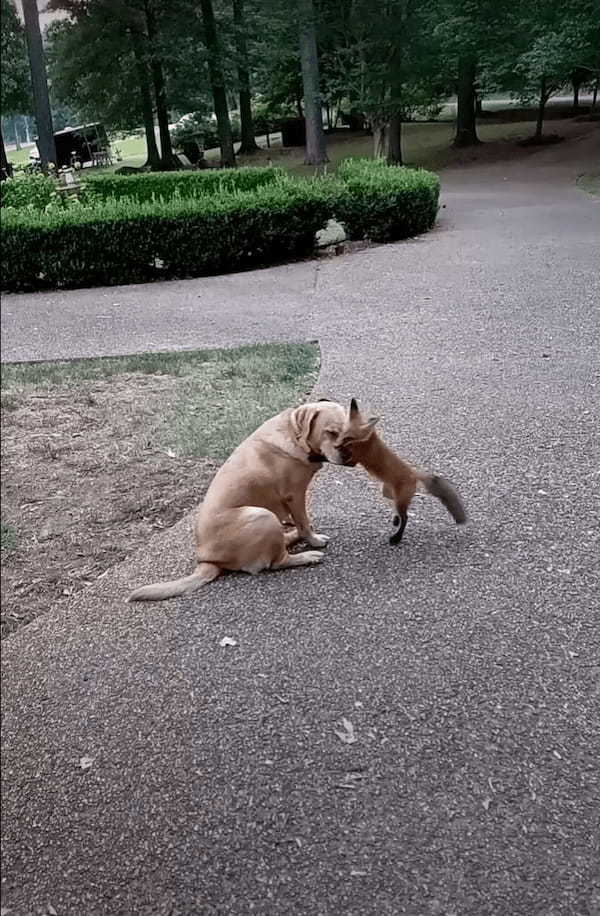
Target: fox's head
(356, 430)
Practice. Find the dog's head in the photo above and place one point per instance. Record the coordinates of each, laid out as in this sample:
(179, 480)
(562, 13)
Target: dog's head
(326, 431)
(316, 426)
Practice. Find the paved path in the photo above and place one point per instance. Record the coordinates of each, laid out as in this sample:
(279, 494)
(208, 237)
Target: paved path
(467, 661)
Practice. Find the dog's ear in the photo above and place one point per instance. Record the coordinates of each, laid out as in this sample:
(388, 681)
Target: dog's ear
(354, 412)
(372, 422)
(302, 420)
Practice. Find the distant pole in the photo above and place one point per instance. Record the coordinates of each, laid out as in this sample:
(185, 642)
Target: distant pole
(39, 82)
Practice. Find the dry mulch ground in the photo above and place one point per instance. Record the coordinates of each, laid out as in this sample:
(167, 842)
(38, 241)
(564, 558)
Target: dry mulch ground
(84, 483)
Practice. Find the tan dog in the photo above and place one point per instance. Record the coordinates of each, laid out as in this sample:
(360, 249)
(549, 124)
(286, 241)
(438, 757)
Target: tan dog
(358, 443)
(263, 483)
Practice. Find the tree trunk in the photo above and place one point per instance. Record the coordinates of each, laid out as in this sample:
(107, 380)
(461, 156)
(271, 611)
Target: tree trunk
(15, 127)
(316, 150)
(299, 108)
(248, 144)
(576, 85)
(167, 159)
(26, 126)
(595, 96)
(394, 154)
(39, 83)
(541, 107)
(5, 166)
(153, 156)
(466, 128)
(478, 105)
(217, 82)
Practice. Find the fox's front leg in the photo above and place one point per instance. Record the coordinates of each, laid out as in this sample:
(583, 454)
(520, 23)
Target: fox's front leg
(297, 509)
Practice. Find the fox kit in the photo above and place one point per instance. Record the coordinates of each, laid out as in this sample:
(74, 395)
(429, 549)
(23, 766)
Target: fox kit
(360, 444)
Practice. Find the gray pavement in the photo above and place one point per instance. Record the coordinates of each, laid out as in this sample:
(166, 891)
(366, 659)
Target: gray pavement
(467, 661)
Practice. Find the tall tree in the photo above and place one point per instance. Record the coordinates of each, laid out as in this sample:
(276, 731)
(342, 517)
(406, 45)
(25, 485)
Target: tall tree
(39, 83)
(217, 82)
(168, 160)
(466, 101)
(550, 41)
(143, 79)
(248, 144)
(99, 62)
(316, 148)
(15, 89)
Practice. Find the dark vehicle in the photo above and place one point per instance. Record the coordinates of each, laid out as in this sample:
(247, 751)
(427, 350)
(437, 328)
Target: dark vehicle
(83, 144)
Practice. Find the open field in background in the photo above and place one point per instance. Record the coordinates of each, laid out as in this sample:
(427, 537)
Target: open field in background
(426, 144)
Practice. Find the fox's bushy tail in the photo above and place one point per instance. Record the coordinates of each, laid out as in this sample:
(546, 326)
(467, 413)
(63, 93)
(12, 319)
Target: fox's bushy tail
(442, 490)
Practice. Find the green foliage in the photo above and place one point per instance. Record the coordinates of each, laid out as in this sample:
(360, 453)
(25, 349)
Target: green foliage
(15, 88)
(169, 185)
(125, 241)
(35, 192)
(384, 202)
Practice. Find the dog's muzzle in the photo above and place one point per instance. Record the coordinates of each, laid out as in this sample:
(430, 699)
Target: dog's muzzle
(316, 458)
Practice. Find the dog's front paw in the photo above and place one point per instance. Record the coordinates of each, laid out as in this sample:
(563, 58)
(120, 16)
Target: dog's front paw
(317, 540)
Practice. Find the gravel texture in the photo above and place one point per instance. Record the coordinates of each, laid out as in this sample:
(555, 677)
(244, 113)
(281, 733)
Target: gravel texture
(149, 770)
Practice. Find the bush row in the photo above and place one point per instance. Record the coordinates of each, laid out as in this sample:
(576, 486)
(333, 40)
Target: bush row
(36, 191)
(383, 202)
(125, 242)
(130, 241)
(167, 185)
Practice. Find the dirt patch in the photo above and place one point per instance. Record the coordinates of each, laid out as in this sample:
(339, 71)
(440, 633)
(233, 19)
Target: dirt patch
(85, 482)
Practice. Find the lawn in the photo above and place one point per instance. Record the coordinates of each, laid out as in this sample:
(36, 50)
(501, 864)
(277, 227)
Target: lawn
(590, 183)
(98, 454)
(425, 144)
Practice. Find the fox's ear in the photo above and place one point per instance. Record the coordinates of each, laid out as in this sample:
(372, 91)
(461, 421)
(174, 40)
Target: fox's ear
(354, 411)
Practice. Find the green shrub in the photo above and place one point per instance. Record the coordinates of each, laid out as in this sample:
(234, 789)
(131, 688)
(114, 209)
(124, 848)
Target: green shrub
(30, 191)
(190, 224)
(385, 202)
(127, 242)
(168, 185)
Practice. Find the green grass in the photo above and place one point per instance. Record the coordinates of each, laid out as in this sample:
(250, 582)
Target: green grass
(8, 537)
(590, 184)
(427, 145)
(220, 398)
(18, 156)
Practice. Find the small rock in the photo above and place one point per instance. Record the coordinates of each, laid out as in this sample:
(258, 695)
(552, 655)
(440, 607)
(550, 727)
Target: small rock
(228, 641)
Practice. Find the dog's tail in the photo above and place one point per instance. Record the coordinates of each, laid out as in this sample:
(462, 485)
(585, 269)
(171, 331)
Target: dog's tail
(442, 490)
(204, 572)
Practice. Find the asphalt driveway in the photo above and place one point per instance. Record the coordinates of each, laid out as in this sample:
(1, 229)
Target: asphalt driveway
(149, 770)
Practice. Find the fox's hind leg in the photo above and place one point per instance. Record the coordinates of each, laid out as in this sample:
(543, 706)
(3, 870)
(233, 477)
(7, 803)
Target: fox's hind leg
(399, 523)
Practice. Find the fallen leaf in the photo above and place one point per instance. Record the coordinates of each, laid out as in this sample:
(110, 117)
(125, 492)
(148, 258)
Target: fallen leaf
(347, 735)
(85, 762)
(228, 641)
(486, 802)
(51, 910)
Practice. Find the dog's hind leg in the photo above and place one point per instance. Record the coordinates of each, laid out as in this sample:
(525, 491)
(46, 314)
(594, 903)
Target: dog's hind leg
(306, 558)
(291, 537)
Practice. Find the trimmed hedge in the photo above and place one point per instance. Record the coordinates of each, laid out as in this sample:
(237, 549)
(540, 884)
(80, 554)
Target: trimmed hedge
(126, 242)
(34, 191)
(167, 185)
(385, 202)
(123, 240)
